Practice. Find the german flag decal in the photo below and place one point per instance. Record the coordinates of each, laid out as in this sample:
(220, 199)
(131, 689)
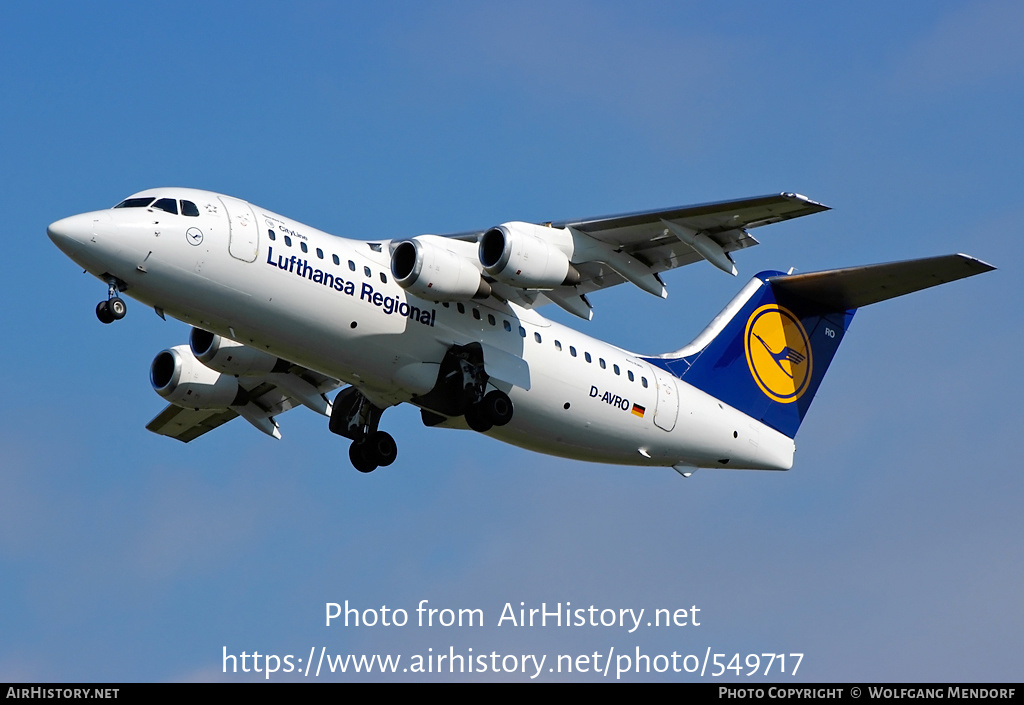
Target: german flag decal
(638, 410)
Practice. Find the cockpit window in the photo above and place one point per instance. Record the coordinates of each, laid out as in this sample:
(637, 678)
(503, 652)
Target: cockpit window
(135, 202)
(167, 204)
(189, 208)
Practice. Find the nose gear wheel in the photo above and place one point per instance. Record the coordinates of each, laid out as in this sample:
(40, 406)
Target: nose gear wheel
(114, 308)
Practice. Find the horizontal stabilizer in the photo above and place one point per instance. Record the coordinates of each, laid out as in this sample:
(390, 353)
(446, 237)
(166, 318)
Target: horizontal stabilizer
(854, 287)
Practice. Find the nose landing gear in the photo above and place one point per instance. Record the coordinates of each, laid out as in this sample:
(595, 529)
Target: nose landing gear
(114, 308)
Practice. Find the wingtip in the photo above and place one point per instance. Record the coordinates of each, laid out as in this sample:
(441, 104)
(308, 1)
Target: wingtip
(980, 264)
(800, 197)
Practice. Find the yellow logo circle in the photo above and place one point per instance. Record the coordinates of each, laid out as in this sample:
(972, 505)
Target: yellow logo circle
(778, 353)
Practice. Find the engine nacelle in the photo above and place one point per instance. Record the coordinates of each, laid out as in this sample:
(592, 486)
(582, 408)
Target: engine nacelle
(232, 358)
(426, 267)
(182, 380)
(528, 256)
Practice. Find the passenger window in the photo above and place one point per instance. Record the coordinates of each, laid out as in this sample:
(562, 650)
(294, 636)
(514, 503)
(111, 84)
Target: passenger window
(643, 381)
(586, 356)
(601, 362)
(461, 307)
(189, 208)
(572, 350)
(383, 278)
(367, 272)
(536, 336)
(303, 247)
(270, 234)
(476, 313)
(558, 345)
(522, 332)
(352, 265)
(508, 326)
(490, 319)
(319, 253)
(337, 260)
(629, 373)
(167, 204)
(616, 368)
(288, 240)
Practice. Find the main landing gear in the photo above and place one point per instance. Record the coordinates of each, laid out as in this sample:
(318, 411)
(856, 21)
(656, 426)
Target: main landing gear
(495, 409)
(461, 390)
(114, 308)
(377, 449)
(353, 416)
(468, 388)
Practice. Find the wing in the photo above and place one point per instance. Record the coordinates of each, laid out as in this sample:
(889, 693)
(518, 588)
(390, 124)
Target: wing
(188, 424)
(267, 398)
(637, 247)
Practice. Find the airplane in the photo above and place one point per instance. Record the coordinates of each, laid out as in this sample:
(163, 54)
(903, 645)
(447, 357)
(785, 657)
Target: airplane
(283, 314)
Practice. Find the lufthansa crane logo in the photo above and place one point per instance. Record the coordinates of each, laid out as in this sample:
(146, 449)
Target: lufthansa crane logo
(778, 353)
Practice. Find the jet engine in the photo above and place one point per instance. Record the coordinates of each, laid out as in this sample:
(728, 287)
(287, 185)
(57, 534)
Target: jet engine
(528, 256)
(182, 380)
(426, 267)
(233, 358)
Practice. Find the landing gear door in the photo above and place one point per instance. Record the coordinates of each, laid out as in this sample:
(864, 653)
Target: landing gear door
(244, 239)
(668, 400)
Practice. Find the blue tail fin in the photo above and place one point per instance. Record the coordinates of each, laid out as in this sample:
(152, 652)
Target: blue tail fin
(769, 349)
(768, 358)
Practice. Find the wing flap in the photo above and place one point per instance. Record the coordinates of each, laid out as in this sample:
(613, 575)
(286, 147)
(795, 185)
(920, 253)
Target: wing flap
(188, 424)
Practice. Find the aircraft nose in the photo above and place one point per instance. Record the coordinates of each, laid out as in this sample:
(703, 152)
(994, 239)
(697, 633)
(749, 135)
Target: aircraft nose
(68, 233)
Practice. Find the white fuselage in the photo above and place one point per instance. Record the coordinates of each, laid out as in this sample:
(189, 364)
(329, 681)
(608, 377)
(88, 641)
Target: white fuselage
(331, 304)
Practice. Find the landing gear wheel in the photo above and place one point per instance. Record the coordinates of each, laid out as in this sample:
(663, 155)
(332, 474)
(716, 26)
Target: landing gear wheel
(103, 312)
(117, 308)
(357, 453)
(476, 417)
(381, 448)
(497, 407)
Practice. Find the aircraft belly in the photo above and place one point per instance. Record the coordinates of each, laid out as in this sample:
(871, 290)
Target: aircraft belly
(594, 427)
(591, 428)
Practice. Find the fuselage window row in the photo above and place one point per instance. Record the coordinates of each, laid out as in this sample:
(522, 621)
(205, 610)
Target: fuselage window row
(506, 324)
(287, 241)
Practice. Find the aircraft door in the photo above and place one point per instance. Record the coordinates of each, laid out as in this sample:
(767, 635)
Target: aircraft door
(243, 242)
(667, 412)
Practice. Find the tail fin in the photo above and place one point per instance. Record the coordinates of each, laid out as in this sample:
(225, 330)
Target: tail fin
(769, 349)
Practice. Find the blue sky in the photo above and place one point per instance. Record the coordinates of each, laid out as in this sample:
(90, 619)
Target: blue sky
(891, 551)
